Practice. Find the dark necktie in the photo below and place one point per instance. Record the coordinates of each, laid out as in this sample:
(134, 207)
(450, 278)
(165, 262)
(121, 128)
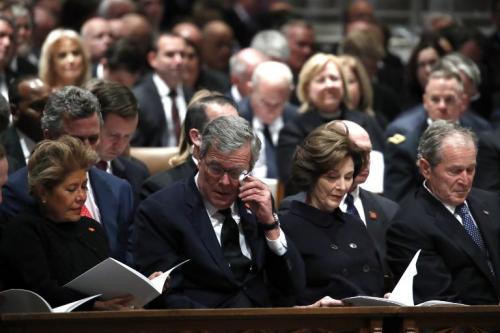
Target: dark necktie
(351, 209)
(473, 231)
(270, 154)
(230, 243)
(176, 121)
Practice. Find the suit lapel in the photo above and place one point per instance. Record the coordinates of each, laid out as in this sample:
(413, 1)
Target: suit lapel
(203, 226)
(456, 232)
(483, 219)
(102, 195)
(373, 216)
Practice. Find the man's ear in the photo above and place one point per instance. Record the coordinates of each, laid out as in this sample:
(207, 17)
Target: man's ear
(195, 137)
(152, 59)
(425, 167)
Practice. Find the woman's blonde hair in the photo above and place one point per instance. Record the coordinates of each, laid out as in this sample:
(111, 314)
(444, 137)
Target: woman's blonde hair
(354, 64)
(313, 67)
(53, 160)
(47, 68)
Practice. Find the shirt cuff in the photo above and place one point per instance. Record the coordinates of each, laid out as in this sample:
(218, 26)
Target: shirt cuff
(278, 246)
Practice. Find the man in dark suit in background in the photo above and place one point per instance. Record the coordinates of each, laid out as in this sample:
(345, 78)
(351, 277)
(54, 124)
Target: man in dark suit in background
(267, 109)
(454, 225)
(27, 97)
(120, 116)
(161, 95)
(76, 112)
(374, 210)
(223, 223)
(444, 98)
(201, 111)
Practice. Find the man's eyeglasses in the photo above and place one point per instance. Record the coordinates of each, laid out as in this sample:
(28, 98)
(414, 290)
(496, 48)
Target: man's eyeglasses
(216, 170)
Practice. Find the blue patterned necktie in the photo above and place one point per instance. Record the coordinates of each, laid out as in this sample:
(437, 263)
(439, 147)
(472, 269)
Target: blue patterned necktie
(351, 209)
(473, 231)
(469, 225)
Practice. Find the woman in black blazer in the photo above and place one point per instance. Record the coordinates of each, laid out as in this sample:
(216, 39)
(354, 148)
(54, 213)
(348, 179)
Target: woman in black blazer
(339, 255)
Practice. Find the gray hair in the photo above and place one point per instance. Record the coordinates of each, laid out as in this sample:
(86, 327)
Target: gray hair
(272, 43)
(446, 73)
(273, 71)
(71, 102)
(458, 62)
(429, 147)
(227, 134)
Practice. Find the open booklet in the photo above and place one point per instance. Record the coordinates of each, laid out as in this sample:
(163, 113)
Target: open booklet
(402, 295)
(111, 279)
(25, 301)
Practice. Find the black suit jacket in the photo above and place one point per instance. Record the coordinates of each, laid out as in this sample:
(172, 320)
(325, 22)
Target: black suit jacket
(113, 196)
(10, 140)
(450, 267)
(133, 171)
(298, 128)
(339, 256)
(166, 234)
(488, 162)
(152, 123)
(378, 210)
(163, 179)
(401, 175)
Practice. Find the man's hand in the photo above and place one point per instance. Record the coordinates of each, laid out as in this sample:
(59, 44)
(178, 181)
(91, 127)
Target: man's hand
(325, 302)
(257, 197)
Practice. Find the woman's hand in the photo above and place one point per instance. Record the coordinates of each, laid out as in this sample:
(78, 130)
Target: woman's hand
(325, 302)
(115, 304)
(167, 282)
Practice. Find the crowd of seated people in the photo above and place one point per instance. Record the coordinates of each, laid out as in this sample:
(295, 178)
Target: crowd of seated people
(247, 97)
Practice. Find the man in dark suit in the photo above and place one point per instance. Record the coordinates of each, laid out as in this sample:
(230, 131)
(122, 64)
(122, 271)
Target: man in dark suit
(205, 107)
(488, 162)
(375, 211)
(221, 221)
(161, 95)
(444, 98)
(267, 109)
(455, 226)
(27, 97)
(120, 116)
(75, 112)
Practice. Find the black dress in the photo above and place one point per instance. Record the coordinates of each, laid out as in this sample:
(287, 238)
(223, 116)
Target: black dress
(339, 256)
(42, 255)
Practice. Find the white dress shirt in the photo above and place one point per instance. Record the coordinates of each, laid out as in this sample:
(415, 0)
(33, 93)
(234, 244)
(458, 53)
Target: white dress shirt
(260, 168)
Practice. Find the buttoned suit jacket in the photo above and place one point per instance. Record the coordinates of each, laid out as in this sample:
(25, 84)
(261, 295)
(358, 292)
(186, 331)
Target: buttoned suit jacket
(133, 171)
(378, 210)
(451, 266)
(166, 234)
(10, 140)
(152, 123)
(338, 254)
(113, 196)
(401, 175)
(162, 179)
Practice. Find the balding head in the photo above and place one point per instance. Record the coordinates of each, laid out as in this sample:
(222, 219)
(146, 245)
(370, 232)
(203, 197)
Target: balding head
(217, 44)
(241, 67)
(137, 28)
(96, 37)
(189, 31)
(362, 139)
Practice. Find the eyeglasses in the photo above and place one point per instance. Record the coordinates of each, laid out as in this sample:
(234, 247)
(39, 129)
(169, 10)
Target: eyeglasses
(215, 170)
